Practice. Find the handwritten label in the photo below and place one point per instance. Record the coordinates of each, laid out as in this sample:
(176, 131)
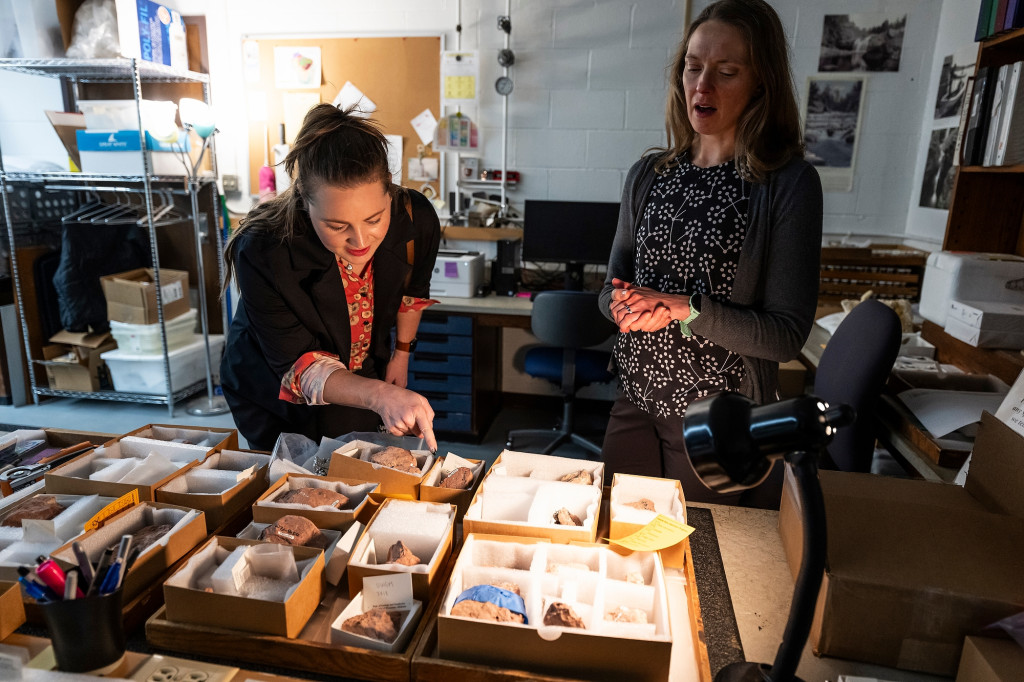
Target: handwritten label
(124, 502)
(391, 591)
(660, 533)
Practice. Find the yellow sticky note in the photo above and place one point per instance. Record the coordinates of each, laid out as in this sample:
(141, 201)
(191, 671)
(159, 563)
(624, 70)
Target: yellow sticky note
(459, 87)
(660, 533)
(127, 500)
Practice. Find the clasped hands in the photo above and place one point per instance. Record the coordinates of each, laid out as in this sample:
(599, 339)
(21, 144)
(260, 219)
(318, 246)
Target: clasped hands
(642, 309)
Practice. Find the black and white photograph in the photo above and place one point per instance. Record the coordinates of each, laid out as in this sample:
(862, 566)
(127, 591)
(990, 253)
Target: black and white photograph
(861, 42)
(832, 121)
(937, 183)
(956, 70)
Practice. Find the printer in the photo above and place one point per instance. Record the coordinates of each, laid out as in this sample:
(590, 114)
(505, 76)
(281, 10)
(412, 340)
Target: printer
(457, 273)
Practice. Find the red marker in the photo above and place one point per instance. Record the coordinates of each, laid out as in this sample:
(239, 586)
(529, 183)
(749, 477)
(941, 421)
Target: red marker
(53, 577)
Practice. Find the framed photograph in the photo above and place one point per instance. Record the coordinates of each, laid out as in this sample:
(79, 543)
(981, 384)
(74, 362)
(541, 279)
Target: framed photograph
(832, 119)
(862, 42)
(957, 69)
(937, 182)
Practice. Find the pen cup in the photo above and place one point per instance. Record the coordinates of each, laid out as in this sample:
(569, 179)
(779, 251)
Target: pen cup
(87, 633)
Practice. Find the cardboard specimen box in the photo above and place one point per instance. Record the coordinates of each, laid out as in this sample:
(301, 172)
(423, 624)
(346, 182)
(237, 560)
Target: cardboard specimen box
(522, 492)
(131, 295)
(914, 566)
(267, 509)
(410, 617)
(990, 660)
(213, 438)
(222, 485)
(12, 609)
(188, 529)
(593, 580)
(431, 490)
(668, 499)
(350, 461)
(336, 554)
(426, 528)
(187, 603)
(73, 363)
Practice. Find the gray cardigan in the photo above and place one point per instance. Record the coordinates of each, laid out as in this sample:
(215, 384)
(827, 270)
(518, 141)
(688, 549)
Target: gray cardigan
(775, 292)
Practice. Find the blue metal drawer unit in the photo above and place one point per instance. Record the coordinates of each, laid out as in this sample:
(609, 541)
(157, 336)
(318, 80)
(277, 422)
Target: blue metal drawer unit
(442, 369)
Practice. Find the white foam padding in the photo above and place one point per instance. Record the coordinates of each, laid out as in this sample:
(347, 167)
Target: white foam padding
(662, 492)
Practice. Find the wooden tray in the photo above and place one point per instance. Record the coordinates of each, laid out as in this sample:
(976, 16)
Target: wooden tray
(427, 666)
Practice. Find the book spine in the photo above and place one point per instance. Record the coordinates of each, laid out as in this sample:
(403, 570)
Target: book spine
(997, 27)
(965, 108)
(1011, 11)
(992, 19)
(995, 115)
(980, 102)
(1013, 143)
(981, 31)
(1009, 108)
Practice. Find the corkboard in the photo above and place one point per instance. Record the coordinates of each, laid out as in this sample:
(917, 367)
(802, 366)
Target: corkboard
(402, 76)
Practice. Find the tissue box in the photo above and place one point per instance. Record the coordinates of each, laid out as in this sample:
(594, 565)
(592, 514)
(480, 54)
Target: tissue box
(667, 496)
(268, 510)
(222, 486)
(187, 604)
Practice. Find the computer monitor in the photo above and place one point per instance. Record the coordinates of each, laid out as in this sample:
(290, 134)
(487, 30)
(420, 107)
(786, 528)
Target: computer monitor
(574, 233)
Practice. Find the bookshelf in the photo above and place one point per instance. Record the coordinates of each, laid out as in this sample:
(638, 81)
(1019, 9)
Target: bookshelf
(986, 213)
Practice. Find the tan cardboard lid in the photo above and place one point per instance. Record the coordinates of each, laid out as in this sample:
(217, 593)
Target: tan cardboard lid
(916, 535)
(81, 338)
(995, 477)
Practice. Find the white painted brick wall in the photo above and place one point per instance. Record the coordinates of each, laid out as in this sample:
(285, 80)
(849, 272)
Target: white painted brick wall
(594, 109)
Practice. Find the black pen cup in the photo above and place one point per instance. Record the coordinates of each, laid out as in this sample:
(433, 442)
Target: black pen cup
(87, 633)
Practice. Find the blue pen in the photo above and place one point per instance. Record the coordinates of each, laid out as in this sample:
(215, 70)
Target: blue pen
(112, 580)
(40, 593)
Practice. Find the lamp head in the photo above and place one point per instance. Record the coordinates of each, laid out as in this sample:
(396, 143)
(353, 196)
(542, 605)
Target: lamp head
(196, 114)
(732, 442)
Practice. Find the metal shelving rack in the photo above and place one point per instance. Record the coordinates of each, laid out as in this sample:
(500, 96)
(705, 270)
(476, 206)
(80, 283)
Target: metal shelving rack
(136, 72)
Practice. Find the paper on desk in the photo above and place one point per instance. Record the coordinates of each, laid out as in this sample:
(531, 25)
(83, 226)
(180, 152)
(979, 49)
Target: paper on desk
(660, 533)
(830, 322)
(1011, 411)
(943, 412)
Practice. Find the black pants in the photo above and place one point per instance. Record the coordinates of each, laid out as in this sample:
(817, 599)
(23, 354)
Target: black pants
(636, 442)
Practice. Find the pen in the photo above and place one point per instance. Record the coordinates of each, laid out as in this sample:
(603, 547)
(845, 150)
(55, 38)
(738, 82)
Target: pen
(84, 565)
(112, 580)
(40, 593)
(101, 571)
(71, 585)
(49, 572)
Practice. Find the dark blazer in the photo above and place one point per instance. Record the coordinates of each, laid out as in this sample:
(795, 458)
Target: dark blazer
(292, 301)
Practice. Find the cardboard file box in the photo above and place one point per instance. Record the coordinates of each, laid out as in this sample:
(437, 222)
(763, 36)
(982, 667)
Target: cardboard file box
(914, 566)
(73, 361)
(131, 295)
(186, 604)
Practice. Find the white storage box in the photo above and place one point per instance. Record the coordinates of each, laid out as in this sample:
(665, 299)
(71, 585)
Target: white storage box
(119, 152)
(144, 372)
(145, 338)
(968, 276)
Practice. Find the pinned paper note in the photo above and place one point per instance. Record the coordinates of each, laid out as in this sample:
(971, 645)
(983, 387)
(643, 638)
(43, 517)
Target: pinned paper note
(297, 68)
(351, 97)
(129, 499)
(296, 106)
(660, 533)
(460, 73)
(425, 124)
(390, 591)
(395, 157)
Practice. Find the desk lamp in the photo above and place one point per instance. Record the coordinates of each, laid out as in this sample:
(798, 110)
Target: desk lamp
(196, 115)
(732, 444)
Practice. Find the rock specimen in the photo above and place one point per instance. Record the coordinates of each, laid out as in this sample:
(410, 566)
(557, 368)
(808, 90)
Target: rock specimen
(396, 458)
(147, 535)
(559, 613)
(39, 507)
(459, 479)
(582, 477)
(375, 623)
(635, 578)
(295, 531)
(485, 610)
(314, 497)
(563, 517)
(643, 503)
(624, 614)
(398, 553)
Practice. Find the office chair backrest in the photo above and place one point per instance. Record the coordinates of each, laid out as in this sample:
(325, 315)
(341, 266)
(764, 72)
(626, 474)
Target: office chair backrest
(569, 319)
(852, 370)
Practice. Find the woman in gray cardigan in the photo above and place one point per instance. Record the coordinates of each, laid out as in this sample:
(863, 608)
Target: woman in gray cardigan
(713, 276)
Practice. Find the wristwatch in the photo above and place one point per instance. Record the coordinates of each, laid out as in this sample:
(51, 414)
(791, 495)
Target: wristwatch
(407, 347)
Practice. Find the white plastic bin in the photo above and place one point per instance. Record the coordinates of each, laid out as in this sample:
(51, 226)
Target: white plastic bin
(145, 338)
(144, 372)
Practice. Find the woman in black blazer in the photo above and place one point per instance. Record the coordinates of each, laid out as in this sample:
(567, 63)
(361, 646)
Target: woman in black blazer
(325, 271)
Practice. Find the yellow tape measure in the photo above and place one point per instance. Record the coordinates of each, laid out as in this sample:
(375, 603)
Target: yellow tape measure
(120, 504)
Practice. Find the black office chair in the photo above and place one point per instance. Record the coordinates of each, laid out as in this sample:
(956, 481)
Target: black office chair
(569, 322)
(852, 370)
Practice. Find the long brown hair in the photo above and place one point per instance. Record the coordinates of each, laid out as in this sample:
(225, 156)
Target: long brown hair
(768, 133)
(333, 147)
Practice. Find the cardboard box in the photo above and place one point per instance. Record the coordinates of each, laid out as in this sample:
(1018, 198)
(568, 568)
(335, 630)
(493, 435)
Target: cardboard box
(668, 499)
(73, 478)
(426, 528)
(521, 493)
(214, 438)
(996, 317)
(604, 650)
(12, 609)
(131, 295)
(410, 617)
(80, 367)
(990, 660)
(336, 554)
(431, 491)
(268, 510)
(146, 30)
(913, 566)
(119, 152)
(984, 338)
(349, 461)
(222, 486)
(188, 529)
(187, 604)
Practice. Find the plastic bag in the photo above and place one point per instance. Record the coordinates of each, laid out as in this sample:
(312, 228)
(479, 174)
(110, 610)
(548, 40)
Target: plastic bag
(94, 33)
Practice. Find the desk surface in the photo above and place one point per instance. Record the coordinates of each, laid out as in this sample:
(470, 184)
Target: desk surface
(489, 304)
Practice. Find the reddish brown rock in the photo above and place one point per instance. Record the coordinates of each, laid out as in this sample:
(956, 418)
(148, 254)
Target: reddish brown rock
(485, 610)
(41, 507)
(564, 517)
(314, 497)
(624, 614)
(643, 503)
(375, 623)
(583, 477)
(562, 614)
(295, 531)
(400, 554)
(396, 458)
(458, 479)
